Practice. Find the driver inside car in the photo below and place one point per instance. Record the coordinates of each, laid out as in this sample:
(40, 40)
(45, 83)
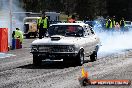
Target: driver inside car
(71, 29)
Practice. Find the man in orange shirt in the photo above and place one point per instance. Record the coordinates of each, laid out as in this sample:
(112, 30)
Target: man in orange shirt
(72, 19)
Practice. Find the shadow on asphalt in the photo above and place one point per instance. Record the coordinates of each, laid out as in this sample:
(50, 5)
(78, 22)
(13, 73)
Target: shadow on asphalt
(50, 65)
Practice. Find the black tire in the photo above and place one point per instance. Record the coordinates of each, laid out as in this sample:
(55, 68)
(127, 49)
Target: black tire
(93, 56)
(36, 60)
(80, 58)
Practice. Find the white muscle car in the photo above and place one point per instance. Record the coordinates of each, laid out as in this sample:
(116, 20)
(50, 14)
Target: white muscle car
(67, 41)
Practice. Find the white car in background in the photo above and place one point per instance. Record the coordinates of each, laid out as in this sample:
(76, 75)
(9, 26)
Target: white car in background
(79, 21)
(69, 42)
(30, 26)
(128, 24)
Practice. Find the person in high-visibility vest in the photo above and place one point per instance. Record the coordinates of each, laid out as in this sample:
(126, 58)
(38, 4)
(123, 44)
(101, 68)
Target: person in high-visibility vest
(109, 23)
(17, 39)
(43, 24)
(18, 35)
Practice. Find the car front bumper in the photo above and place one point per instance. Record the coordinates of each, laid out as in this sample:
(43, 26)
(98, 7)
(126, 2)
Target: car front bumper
(55, 55)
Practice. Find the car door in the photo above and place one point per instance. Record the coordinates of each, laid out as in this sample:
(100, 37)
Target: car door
(88, 41)
(94, 39)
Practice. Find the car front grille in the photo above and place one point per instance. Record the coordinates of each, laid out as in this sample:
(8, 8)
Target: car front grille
(54, 48)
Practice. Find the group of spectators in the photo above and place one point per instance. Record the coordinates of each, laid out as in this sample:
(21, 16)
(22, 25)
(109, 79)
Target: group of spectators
(43, 24)
(112, 23)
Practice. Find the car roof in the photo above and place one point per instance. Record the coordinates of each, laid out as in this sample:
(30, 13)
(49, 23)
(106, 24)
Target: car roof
(31, 17)
(81, 24)
(127, 21)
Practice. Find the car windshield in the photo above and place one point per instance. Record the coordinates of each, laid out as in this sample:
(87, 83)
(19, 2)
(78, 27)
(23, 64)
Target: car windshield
(66, 30)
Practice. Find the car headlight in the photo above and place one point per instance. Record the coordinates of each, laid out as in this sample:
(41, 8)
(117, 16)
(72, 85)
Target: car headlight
(71, 48)
(34, 48)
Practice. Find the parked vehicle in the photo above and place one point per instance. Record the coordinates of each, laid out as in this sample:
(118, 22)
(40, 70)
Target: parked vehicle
(128, 24)
(30, 26)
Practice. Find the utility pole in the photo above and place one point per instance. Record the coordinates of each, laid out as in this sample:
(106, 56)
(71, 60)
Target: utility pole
(10, 30)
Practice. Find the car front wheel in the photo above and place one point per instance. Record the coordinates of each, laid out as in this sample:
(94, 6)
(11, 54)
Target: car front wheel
(80, 58)
(36, 60)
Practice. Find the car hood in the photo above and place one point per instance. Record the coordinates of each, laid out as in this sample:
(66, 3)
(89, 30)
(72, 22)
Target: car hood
(58, 40)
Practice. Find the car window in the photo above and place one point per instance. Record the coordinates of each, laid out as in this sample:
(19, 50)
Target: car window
(91, 30)
(66, 30)
(88, 31)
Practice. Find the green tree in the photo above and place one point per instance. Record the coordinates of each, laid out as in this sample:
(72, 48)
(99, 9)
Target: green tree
(91, 8)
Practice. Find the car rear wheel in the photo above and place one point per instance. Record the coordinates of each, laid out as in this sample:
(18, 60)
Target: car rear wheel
(36, 60)
(93, 56)
(80, 58)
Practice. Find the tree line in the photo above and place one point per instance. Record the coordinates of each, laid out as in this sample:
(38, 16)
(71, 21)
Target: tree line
(83, 8)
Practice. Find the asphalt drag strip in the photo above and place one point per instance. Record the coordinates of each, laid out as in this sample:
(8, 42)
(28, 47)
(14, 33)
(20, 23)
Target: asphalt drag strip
(58, 75)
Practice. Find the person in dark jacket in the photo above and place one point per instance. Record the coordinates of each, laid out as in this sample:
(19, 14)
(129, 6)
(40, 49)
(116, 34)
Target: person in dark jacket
(122, 23)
